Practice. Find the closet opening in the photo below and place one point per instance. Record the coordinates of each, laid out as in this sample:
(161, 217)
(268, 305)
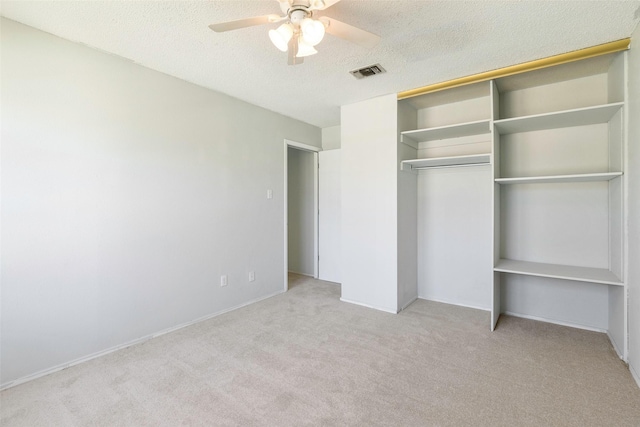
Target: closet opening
(300, 210)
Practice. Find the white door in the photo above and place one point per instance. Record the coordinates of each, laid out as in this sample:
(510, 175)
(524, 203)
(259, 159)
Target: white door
(330, 267)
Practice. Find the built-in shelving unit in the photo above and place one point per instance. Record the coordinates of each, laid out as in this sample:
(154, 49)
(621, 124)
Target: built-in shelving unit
(445, 151)
(553, 141)
(562, 131)
(555, 271)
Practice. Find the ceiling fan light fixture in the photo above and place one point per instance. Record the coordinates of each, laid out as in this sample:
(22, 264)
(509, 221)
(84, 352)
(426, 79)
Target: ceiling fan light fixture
(280, 37)
(312, 31)
(301, 30)
(305, 49)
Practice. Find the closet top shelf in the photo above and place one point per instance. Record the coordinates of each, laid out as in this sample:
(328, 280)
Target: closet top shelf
(559, 119)
(445, 132)
(475, 159)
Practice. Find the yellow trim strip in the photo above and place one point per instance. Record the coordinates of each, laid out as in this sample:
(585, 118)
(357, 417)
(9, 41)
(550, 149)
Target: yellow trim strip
(537, 64)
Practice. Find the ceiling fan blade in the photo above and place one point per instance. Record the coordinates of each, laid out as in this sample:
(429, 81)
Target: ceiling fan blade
(243, 23)
(293, 52)
(349, 32)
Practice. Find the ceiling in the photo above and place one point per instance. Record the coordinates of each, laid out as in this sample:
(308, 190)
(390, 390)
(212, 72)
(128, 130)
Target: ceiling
(423, 42)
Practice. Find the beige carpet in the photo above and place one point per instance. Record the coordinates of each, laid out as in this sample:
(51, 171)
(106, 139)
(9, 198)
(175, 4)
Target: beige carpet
(305, 358)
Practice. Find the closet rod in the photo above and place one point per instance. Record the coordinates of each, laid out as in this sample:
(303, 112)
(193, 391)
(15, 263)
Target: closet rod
(537, 64)
(449, 166)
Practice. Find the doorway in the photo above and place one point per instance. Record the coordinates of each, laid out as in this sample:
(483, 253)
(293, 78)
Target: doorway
(301, 210)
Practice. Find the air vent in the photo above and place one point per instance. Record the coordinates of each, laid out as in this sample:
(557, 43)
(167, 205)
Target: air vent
(368, 71)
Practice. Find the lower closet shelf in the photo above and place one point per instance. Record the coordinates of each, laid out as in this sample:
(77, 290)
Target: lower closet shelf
(556, 271)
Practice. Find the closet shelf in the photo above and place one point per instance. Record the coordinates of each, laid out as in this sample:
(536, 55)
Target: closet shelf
(586, 177)
(560, 119)
(413, 137)
(439, 162)
(555, 271)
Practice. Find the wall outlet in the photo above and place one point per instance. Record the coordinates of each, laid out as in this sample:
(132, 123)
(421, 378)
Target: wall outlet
(223, 280)
(269, 194)
(252, 276)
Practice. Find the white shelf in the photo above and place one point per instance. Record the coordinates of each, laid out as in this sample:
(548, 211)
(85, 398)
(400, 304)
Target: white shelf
(560, 119)
(438, 162)
(587, 177)
(412, 137)
(554, 271)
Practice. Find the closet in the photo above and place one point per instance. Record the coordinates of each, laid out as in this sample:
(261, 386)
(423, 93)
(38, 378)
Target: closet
(520, 195)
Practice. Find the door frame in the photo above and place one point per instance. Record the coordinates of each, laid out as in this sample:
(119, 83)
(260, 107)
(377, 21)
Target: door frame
(314, 150)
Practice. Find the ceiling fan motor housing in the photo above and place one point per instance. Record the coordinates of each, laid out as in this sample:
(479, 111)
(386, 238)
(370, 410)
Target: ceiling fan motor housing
(297, 15)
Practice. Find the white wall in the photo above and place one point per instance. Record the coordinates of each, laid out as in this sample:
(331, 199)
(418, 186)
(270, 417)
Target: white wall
(331, 138)
(369, 202)
(454, 236)
(126, 193)
(301, 217)
(633, 182)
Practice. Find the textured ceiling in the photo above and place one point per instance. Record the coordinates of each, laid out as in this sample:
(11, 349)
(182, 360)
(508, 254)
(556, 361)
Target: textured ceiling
(423, 42)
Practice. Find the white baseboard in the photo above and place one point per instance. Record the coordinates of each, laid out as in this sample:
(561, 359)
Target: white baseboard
(329, 281)
(386, 310)
(101, 353)
(475, 307)
(615, 347)
(635, 375)
(411, 301)
(301, 274)
(555, 322)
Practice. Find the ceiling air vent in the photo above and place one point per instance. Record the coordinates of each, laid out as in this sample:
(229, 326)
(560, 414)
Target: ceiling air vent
(368, 71)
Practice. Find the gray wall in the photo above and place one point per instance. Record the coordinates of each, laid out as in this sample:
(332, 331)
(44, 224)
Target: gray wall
(126, 193)
(331, 138)
(633, 182)
(301, 227)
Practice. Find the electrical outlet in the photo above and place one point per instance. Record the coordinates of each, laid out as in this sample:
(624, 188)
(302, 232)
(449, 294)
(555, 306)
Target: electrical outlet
(269, 194)
(252, 276)
(223, 280)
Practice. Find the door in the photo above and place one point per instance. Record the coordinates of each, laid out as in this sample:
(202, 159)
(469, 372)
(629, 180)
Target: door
(330, 248)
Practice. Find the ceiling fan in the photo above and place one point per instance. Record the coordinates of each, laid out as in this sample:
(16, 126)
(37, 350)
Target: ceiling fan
(302, 30)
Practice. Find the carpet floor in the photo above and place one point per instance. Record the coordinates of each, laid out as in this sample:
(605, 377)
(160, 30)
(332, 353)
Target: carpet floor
(305, 358)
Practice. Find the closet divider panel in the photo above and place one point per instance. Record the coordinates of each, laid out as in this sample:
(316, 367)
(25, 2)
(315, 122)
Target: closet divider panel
(495, 199)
